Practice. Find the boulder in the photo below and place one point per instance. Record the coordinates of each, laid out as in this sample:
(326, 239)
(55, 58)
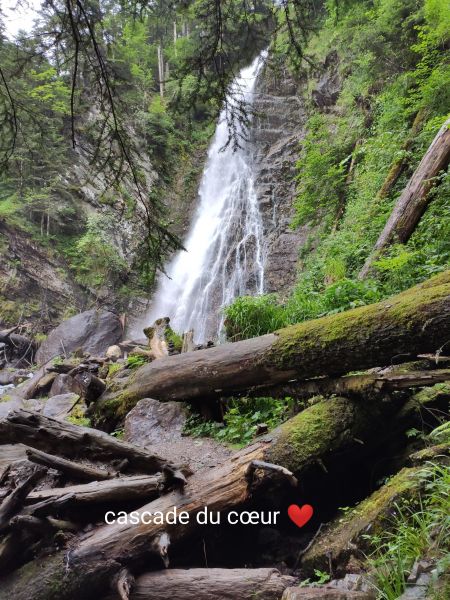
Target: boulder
(93, 331)
(114, 353)
(60, 406)
(6, 377)
(63, 384)
(8, 404)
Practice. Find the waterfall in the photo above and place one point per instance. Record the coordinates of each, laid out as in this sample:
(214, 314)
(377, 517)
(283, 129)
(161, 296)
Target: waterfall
(224, 255)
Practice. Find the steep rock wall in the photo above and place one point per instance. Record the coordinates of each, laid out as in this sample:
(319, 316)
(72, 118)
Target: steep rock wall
(282, 106)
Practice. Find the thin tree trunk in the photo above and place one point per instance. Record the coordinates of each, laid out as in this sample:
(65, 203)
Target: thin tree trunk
(415, 197)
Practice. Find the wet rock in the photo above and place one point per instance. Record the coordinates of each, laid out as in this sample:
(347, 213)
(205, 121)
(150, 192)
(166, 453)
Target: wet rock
(159, 427)
(93, 331)
(60, 406)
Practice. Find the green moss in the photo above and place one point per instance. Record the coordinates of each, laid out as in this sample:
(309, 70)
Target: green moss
(113, 368)
(404, 312)
(313, 433)
(172, 336)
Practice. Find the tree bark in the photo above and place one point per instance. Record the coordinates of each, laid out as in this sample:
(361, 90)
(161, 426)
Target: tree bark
(414, 199)
(71, 469)
(138, 487)
(211, 584)
(417, 320)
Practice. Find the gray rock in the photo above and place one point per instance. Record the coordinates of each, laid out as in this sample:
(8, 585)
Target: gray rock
(153, 422)
(93, 331)
(6, 377)
(60, 406)
(114, 353)
(7, 405)
(63, 384)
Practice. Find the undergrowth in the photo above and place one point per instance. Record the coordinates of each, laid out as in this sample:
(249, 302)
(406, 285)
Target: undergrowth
(241, 420)
(420, 530)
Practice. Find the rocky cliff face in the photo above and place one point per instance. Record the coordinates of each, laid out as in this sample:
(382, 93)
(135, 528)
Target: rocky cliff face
(282, 107)
(35, 283)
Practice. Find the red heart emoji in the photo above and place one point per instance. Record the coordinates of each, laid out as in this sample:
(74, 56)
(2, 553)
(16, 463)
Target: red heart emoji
(300, 516)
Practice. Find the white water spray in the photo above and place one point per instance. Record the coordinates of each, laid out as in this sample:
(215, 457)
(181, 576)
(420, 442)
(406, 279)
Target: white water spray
(224, 255)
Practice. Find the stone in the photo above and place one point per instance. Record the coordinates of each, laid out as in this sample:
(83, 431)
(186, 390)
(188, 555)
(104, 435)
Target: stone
(60, 406)
(45, 384)
(114, 353)
(93, 331)
(7, 405)
(153, 422)
(63, 384)
(6, 377)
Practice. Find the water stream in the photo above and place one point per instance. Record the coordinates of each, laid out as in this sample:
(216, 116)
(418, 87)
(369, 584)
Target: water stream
(224, 255)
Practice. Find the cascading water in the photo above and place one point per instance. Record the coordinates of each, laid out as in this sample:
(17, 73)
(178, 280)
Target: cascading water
(224, 255)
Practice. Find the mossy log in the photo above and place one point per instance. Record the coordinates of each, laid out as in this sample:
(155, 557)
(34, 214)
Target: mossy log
(414, 199)
(328, 435)
(412, 322)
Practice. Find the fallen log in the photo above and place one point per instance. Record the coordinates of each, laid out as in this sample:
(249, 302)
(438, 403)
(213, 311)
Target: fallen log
(357, 385)
(414, 321)
(66, 439)
(73, 470)
(328, 433)
(124, 489)
(211, 584)
(414, 199)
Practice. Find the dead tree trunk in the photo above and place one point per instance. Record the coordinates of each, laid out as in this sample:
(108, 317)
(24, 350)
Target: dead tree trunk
(211, 584)
(314, 441)
(52, 435)
(413, 201)
(417, 320)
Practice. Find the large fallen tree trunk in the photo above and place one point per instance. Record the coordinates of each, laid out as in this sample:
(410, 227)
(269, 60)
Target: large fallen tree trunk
(211, 584)
(324, 437)
(417, 320)
(414, 199)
